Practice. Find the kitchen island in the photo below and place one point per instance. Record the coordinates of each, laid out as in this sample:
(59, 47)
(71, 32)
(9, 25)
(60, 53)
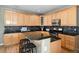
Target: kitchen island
(41, 39)
(44, 41)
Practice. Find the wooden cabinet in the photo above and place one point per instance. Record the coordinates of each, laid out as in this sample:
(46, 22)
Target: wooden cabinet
(68, 41)
(2, 49)
(55, 47)
(68, 16)
(72, 16)
(32, 20)
(47, 20)
(8, 18)
(26, 19)
(7, 39)
(10, 39)
(20, 19)
(35, 20)
(63, 44)
(12, 49)
(21, 36)
(11, 42)
(64, 18)
(13, 18)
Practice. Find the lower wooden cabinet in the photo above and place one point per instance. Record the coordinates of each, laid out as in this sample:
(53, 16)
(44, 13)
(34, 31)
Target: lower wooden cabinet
(68, 41)
(21, 36)
(62, 40)
(10, 39)
(12, 49)
(2, 49)
(55, 47)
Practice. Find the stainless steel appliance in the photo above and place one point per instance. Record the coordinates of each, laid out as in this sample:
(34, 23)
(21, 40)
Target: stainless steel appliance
(56, 22)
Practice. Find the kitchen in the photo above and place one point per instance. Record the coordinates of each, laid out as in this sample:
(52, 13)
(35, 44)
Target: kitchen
(55, 29)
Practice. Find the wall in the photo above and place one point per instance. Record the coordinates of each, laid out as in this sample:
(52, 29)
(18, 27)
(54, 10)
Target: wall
(77, 16)
(1, 25)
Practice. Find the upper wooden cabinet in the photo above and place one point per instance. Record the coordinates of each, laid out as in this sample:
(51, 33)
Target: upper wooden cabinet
(38, 20)
(20, 19)
(13, 18)
(35, 20)
(68, 16)
(8, 18)
(27, 20)
(47, 20)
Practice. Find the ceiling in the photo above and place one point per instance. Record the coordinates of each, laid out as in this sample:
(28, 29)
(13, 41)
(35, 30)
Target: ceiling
(39, 9)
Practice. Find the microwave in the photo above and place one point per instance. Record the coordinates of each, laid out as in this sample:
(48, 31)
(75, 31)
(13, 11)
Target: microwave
(56, 22)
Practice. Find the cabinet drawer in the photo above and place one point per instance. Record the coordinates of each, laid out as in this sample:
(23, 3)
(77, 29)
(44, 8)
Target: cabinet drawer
(12, 49)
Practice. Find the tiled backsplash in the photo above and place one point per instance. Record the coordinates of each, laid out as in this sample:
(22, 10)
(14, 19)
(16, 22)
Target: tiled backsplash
(13, 29)
(59, 29)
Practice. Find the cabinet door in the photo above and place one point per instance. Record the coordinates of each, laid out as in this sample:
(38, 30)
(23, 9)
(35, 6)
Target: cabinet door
(8, 39)
(67, 40)
(12, 49)
(29, 20)
(49, 20)
(8, 18)
(72, 16)
(72, 42)
(14, 18)
(64, 18)
(16, 48)
(26, 20)
(37, 21)
(2, 49)
(46, 20)
(55, 47)
(20, 19)
(63, 40)
(32, 20)
(15, 38)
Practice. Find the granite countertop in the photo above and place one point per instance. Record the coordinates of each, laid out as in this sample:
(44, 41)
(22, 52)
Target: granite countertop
(40, 35)
(37, 35)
